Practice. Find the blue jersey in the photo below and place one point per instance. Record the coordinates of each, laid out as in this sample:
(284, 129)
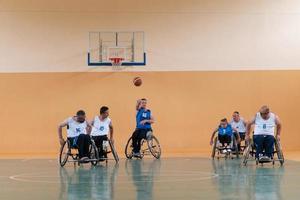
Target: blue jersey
(141, 115)
(225, 131)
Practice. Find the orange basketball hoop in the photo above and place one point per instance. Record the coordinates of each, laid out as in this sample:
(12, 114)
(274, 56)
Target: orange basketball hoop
(116, 62)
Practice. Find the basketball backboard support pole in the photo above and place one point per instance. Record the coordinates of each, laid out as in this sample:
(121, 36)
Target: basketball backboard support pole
(105, 46)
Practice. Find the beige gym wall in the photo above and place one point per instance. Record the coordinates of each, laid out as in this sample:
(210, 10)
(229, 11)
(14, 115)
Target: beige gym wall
(213, 39)
(187, 105)
(43, 35)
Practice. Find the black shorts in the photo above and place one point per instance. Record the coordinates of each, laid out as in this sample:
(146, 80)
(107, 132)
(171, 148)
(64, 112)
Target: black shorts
(140, 133)
(242, 135)
(73, 142)
(224, 139)
(99, 140)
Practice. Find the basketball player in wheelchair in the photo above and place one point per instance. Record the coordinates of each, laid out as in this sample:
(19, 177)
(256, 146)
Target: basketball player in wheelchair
(226, 142)
(239, 124)
(142, 140)
(102, 127)
(78, 139)
(264, 137)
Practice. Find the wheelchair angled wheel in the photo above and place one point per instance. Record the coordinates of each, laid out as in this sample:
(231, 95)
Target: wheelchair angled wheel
(235, 147)
(113, 151)
(214, 148)
(64, 153)
(279, 152)
(94, 155)
(128, 149)
(246, 153)
(154, 146)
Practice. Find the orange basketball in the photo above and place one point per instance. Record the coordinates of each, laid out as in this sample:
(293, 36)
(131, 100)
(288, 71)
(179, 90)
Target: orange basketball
(137, 81)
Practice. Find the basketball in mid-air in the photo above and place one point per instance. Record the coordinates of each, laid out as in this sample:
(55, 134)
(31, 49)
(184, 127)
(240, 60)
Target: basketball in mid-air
(137, 81)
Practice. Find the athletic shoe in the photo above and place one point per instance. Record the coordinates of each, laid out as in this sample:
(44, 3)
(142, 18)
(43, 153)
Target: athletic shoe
(224, 151)
(137, 155)
(264, 159)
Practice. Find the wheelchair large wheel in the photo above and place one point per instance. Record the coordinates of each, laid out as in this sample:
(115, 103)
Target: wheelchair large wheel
(93, 152)
(154, 146)
(279, 151)
(114, 152)
(128, 149)
(235, 147)
(213, 153)
(246, 154)
(64, 153)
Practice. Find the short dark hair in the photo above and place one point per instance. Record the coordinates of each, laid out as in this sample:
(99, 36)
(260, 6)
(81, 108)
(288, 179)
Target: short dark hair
(224, 120)
(236, 112)
(103, 109)
(80, 113)
(144, 99)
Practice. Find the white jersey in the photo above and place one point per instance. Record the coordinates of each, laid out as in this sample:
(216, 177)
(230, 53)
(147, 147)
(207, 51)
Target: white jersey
(101, 128)
(264, 127)
(239, 126)
(75, 128)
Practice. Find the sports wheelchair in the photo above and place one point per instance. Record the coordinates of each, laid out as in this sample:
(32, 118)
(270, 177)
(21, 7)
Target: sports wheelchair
(249, 153)
(243, 143)
(149, 146)
(108, 147)
(70, 151)
(217, 149)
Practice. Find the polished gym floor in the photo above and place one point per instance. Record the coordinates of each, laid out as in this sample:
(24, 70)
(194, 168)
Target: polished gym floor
(168, 178)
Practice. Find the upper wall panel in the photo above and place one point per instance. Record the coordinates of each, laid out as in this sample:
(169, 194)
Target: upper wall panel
(180, 35)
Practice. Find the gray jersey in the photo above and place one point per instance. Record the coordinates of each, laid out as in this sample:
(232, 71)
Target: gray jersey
(239, 126)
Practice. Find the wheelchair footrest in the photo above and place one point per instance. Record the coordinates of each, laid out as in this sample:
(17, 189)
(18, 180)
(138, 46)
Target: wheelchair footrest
(84, 161)
(105, 159)
(265, 161)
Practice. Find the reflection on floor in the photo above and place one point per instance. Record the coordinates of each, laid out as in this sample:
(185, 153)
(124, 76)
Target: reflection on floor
(168, 178)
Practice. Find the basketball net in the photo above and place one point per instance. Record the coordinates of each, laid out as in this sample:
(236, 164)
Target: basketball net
(116, 63)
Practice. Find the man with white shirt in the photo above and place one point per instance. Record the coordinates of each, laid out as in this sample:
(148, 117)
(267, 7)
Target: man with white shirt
(239, 124)
(102, 126)
(78, 130)
(264, 133)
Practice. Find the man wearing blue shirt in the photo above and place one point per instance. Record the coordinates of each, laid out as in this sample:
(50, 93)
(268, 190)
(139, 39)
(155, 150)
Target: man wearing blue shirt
(225, 132)
(144, 119)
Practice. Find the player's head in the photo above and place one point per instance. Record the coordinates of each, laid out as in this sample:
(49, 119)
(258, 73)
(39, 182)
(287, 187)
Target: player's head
(104, 111)
(264, 112)
(143, 103)
(236, 116)
(80, 116)
(223, 123)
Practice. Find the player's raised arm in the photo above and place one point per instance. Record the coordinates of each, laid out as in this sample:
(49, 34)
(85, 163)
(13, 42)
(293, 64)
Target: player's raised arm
(138, 104)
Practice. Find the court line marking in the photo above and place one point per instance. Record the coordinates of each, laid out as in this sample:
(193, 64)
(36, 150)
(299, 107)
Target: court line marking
(25, 160)
(18, 177)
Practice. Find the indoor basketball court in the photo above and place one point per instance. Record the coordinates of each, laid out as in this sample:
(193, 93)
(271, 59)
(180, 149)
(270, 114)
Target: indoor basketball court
(149, 100)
